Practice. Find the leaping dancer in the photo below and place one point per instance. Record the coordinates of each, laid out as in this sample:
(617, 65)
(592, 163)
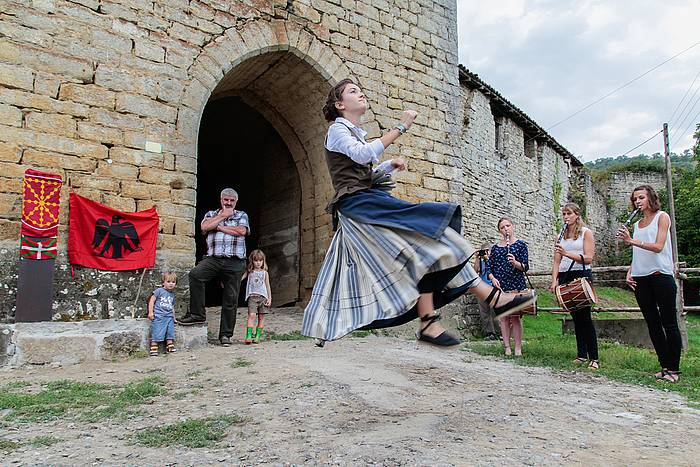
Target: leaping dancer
(390, 261)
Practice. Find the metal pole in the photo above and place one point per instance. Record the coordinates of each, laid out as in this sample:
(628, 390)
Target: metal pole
(674, 240)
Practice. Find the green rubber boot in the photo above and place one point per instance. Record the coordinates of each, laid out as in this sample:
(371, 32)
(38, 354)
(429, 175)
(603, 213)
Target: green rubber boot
(248, 336)
(258, 335)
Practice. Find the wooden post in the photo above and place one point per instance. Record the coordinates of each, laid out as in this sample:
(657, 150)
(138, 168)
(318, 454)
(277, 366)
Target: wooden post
(674, 241)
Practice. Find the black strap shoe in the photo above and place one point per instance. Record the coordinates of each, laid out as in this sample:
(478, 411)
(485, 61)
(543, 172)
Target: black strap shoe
(190, 321)
(445, 339)
(518, 303)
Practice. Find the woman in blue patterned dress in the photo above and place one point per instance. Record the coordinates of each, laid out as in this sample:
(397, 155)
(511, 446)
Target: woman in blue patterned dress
(390, 261)
(508, 263)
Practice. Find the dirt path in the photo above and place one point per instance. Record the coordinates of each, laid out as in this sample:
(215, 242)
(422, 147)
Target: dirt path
(372, 400)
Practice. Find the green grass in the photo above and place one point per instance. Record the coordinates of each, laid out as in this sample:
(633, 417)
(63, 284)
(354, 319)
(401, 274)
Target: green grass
(192, 433)
(289, 336)
(240, 363)
(7, 445)
(361, 333)
(545, 346)
(73, 399)
(40, 441)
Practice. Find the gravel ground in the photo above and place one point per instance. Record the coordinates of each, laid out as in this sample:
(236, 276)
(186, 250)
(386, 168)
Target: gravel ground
(370, 400)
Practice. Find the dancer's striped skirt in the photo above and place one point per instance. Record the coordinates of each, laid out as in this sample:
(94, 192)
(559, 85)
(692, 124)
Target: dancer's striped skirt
(372, 276)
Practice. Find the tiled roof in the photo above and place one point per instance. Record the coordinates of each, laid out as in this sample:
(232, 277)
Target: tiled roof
(507, 108)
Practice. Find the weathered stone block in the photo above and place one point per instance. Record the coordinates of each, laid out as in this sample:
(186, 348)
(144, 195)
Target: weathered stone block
(10, 185)
(75, 342)
(10, 205)
(92, 182)
(55, 143)
(115, 119)
(190, 337)
(101, 134)
(41, 349)
(149, 50)
(172, 178)
(52, 159)
(16, 76)
(184, 196)
(46, 85)
(121, 345)
(119, 203)
(169, 90)
(146, 107)
(136, 157)
(187, 34)
(125, 79)
(108, 40)
(51, 123)
(7, 346)
(24, 99)
(10, 115)
(9, 229)
(145, 191)
(117, 171)
(89, 94)
(45, 60)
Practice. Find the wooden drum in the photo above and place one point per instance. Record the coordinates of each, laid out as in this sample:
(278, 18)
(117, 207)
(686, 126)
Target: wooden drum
(576, 294)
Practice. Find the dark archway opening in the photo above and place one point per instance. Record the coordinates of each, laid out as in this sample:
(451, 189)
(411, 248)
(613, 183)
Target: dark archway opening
(238, 148)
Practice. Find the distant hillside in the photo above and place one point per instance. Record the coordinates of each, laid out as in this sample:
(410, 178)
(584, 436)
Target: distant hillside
(600, 168)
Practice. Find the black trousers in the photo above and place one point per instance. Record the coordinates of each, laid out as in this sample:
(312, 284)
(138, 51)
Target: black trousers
(656, 296)
(586, 336)
(230, 271)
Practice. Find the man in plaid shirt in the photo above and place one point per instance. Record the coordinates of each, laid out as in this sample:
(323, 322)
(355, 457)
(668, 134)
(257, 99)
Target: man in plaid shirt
(225, 231)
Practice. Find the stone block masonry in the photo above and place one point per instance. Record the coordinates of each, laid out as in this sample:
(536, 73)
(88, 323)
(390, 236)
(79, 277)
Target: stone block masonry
(77, 342)
(84, 85)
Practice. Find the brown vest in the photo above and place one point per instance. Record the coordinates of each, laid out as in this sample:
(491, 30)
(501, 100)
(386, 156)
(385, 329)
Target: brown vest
(347, 176)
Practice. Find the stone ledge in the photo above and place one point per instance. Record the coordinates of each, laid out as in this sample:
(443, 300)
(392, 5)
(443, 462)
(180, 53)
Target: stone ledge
(631, 331)
(76, 342)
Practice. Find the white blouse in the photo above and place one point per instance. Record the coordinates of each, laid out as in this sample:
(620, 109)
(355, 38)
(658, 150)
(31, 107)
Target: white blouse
(645, 262)
(346, 138)
(573, 246)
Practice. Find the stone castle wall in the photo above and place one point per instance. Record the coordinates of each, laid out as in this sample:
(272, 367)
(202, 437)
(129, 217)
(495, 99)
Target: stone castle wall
(509, 180)
(85, 84)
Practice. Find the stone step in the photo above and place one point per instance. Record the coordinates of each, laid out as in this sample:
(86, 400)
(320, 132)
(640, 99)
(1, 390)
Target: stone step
(75, 342)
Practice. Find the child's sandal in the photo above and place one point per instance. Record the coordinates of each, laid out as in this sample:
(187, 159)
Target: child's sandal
(170, 347)
(153, 352)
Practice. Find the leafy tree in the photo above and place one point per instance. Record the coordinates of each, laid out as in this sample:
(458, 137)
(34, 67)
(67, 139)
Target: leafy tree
(686, 192)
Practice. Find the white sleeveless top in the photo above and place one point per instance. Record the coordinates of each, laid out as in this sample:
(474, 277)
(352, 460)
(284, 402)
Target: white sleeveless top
(573, 246)
(256, 284)
(645, 262)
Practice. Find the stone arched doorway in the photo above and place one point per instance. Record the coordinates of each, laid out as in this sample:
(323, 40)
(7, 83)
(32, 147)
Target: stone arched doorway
(261, 132)
(239, 148)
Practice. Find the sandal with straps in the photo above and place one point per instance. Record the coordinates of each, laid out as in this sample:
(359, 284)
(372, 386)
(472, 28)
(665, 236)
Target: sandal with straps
(153, 351)
(445, 339)
(669, 376)
(518, 303)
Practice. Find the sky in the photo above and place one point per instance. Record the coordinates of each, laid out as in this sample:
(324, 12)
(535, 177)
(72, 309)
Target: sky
(552, 58)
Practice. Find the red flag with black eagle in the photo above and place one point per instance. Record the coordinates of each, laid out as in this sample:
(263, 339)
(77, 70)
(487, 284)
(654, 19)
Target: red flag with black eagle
(103, 238)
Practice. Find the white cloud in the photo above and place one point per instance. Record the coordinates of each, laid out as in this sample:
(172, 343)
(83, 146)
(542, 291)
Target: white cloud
(551, 58)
